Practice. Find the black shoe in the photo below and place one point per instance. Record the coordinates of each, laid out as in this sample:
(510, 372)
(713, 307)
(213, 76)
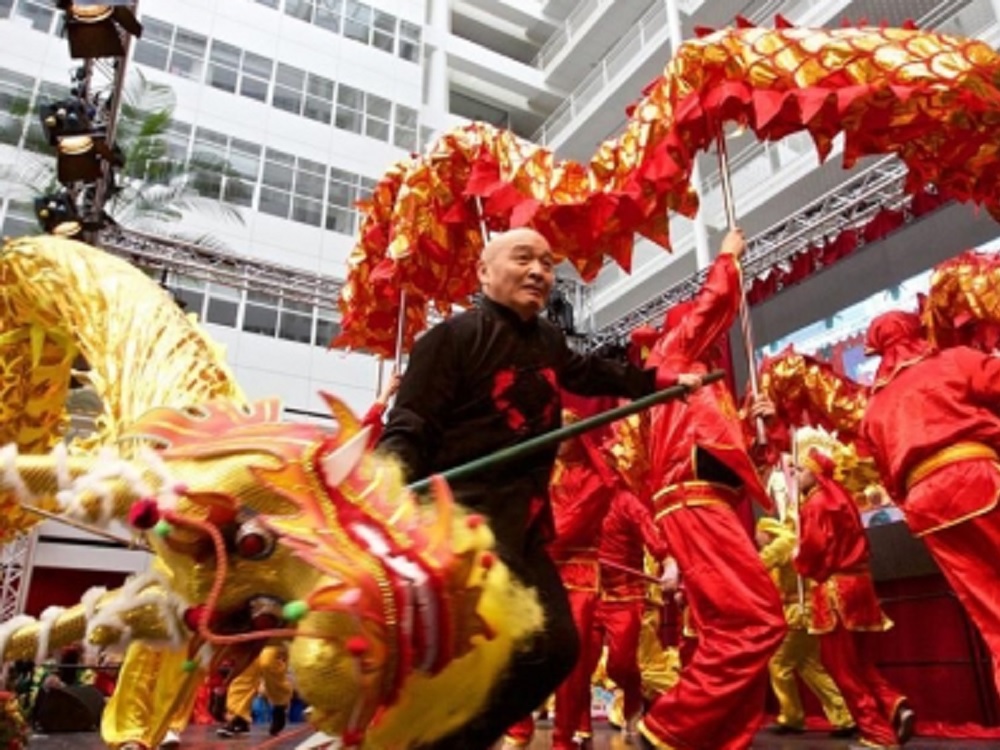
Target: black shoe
(904, 721)
(234, 727)
(279, 718)
(844, 733)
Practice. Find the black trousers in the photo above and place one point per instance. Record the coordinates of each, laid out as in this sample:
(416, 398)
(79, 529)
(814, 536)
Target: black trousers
(534, 673)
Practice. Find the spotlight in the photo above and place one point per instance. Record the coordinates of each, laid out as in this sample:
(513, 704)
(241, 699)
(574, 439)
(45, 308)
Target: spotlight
(80, 147)
(96, 29)
(81, 157)
(67, 117)
(57, 214)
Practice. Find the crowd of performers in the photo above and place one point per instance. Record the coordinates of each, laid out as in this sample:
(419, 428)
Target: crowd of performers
(487, 378)
(581, 524)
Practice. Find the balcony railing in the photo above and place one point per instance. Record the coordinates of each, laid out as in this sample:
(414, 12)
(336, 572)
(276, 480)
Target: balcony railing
(564, 35)
(650, 29)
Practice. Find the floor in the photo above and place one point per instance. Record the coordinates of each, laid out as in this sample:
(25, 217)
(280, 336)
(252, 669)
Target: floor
(204, 738)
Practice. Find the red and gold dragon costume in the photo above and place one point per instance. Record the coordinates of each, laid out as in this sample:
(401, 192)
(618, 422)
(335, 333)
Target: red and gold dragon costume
(397, 615)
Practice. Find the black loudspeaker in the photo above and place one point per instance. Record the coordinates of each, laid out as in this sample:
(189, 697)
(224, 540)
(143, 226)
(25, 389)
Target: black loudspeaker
(72, 709)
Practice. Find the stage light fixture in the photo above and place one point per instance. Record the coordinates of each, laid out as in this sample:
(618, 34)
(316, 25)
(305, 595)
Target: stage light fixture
(64, 118)
(97, 29)
(57, 214)
(81, 157)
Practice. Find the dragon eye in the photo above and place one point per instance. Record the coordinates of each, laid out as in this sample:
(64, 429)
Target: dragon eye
(265, 612)
(253, 541)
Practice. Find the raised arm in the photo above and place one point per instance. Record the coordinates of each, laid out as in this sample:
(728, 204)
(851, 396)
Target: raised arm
(692, 330)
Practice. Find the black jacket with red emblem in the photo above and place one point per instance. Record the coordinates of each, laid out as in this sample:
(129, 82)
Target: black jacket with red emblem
(484, 380)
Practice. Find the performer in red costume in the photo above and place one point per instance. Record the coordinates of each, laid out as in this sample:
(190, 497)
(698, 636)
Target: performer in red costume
(700, 469)
(833, 551)
(580, 493)
(627, 530)
(939, 461)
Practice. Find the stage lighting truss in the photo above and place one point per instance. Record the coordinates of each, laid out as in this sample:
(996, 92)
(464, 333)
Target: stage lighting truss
(850, 205)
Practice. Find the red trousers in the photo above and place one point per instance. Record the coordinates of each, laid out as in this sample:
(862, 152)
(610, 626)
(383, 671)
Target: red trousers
(967, 554)
(718, 703)
(618, 626)
(572, 712)
(871, 700)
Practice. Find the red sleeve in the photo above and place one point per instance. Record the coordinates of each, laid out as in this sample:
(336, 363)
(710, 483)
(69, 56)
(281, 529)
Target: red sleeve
(712, 313)
(373, 420)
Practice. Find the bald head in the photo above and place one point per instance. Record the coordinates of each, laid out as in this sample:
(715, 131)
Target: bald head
(516, 269)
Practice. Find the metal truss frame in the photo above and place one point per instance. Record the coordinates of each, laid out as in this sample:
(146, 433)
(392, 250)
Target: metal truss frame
(237, 271)
(16, 559)
(850, 205)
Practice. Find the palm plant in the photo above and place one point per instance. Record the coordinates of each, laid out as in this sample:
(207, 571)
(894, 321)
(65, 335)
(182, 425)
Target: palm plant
(156, 186)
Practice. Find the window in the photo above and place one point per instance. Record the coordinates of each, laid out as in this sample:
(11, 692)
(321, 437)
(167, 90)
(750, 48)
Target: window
(225, 168)
(39, 14)
(19, 220)
(188, 56)
(276, 183)
(16, 92)
(384, 31)
(378, 113)
(319, 99)
(357, 21)
(269, 3)
(409, 41)
(404, 133)
(350, 108)
(307, 203)
(296, 322)
(6, 6)
(190, 294)
(153, 47)
(289, 83)
(292, 188)
(301, 9)
(223, 66)
(206, 162)
(256, 76)
(327, 326)
(328, 13)
(344, 188)
(177, 137)
(223, 305)
(261, 314)
(241, 175)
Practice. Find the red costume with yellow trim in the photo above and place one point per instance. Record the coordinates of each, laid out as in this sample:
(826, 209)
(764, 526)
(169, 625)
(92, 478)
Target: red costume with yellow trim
(627, 529)
(939, 461)
(580, 494)
(834, 552)
(700, 468)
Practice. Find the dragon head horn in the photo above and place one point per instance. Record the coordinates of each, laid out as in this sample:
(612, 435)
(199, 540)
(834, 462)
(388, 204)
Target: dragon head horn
(338, 464)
